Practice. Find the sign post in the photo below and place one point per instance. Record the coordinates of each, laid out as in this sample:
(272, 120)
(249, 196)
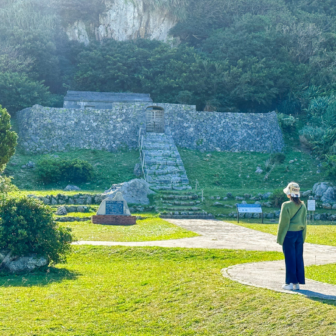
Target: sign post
(249, 208)
(311, 207)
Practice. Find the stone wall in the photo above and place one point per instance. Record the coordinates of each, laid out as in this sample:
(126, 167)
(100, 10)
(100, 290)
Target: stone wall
(234, 132)
(45, 130)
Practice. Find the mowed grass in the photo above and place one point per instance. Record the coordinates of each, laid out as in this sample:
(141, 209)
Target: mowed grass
(109, 168)
(316, 234)
(236, 171)
(324, 273)
(154, 291)
(149, 229)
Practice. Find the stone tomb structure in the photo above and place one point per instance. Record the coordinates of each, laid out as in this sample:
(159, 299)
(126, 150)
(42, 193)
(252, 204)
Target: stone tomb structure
(117, 126)
(114, 211)
(102, 100)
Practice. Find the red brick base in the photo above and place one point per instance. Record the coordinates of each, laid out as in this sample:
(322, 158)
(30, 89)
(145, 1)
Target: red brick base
(113, 220)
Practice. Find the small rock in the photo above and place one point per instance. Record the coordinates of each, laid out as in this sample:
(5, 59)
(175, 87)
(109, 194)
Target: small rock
(71, 188)
(212, 197)
(225, 198)
(45, 200)
(82, 208)
(30, 165)
(209, 155)
(247, 196)
(61, 211)
(218, 198)
(326, 206)
(238, 198)
(53, 201)
(259, 170)
(306, 193)
(291, 161)
(317, 217)
(334, 206)
(267, 204)
(217, 204)
(243, 202)
(267, 195)
(71, 209)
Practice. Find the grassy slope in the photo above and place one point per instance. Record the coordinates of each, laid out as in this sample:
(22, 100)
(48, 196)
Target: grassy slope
(149, 229)
(109, 168)
(236, 171)
(153, 291)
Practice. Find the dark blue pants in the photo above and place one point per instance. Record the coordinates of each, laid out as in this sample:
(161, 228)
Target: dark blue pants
(293, 251)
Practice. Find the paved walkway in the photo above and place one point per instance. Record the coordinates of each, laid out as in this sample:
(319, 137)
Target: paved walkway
(271, 274)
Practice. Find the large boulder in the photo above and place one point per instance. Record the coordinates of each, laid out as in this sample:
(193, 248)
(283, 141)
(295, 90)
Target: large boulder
(324, 191)
(134, 192)
(21, 264)
(71, 188)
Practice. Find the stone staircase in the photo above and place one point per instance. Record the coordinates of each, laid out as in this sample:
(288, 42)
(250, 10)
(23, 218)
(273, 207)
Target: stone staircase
(180, 205)
(163, 167)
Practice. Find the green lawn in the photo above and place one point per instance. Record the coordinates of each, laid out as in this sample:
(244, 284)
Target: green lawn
(316, 234)
(149, 229)
(236, 171)
(109, 168)
(154, 291)
(324, 273)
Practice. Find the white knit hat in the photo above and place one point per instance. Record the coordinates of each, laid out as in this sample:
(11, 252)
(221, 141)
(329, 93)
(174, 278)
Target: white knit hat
(292, 189)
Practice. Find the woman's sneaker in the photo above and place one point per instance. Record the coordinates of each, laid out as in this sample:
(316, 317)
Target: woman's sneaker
(288, 287)
(296, 287)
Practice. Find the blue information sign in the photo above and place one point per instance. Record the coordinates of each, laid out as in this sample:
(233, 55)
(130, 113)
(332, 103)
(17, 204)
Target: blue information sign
(114, 207)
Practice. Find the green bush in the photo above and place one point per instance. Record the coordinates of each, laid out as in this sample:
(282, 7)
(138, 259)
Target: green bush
(287, 122)
(8, 139)
(52, 170)
(278, 197)
(329, 166)
(27, 226)
(278, 158)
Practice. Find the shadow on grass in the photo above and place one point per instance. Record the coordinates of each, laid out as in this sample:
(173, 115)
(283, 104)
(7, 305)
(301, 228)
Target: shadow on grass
(331, 302)
(38, 278)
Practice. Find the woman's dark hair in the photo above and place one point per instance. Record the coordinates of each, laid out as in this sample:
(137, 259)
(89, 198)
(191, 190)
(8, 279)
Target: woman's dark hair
(296, 200)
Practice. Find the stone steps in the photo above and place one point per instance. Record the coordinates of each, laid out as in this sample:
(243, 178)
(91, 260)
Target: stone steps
(164, 169)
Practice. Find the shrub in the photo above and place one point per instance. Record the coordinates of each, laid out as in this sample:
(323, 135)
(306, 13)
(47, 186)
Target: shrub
(287, 122)
(277, 158)
(330, 166)
(27, 226)
(5, 187)
(278, 197)
(8, 138)
(52, 170)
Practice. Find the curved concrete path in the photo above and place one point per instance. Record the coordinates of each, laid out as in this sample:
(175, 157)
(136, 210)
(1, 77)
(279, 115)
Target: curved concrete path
(222, 235)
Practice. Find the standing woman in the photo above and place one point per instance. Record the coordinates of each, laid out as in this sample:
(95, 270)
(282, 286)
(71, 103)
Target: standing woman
(291, 235)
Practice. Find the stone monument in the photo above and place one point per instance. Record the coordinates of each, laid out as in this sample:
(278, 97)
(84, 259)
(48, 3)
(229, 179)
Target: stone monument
(114, 211)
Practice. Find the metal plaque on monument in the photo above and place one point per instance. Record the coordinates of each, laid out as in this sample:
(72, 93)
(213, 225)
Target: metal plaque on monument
(114, 211)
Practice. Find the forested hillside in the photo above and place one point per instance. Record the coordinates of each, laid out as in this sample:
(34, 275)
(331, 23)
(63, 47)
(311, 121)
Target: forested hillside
(228, 55)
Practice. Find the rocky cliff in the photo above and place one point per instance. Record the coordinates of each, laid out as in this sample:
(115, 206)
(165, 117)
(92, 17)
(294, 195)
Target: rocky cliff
(124, 20)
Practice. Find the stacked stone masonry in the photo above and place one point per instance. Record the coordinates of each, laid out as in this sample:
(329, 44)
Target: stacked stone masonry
(46, 130)
(163, 166)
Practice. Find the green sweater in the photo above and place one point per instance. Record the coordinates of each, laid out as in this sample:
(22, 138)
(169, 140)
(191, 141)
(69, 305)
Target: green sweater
(289, 223)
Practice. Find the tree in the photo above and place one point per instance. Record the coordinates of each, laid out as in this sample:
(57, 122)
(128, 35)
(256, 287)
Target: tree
(8, 138)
